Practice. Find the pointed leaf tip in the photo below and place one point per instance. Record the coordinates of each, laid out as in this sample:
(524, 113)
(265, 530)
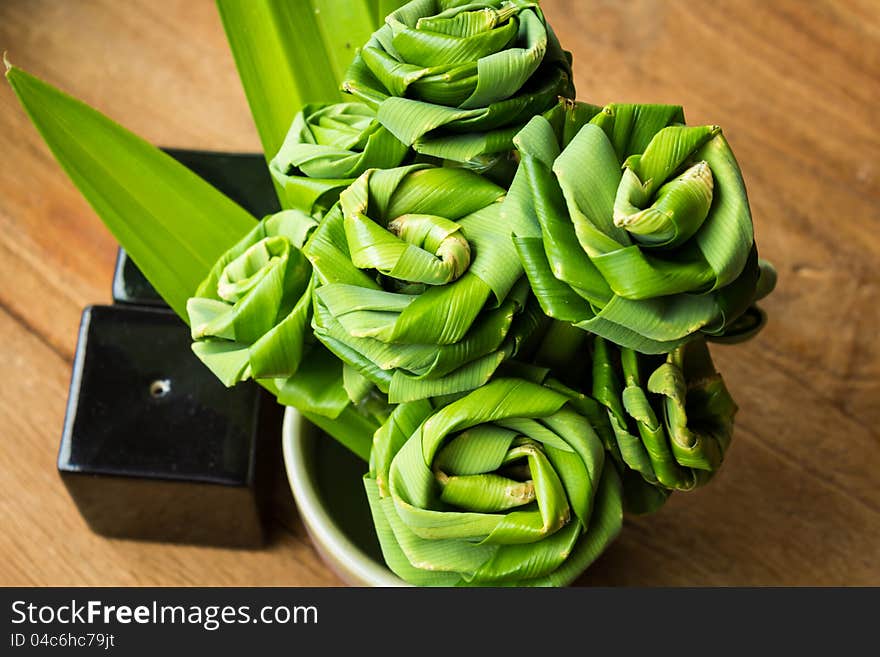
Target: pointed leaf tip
(6, 61)
(172, 223)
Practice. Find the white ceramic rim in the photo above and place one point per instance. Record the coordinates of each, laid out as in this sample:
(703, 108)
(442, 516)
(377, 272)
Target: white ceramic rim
(351, 563)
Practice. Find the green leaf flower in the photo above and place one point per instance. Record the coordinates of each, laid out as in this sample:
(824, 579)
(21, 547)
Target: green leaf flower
(671, 415)
(641, 228)
(419, 289)
(250, 316)
(457, 80)
(505, 486)
(327, 147)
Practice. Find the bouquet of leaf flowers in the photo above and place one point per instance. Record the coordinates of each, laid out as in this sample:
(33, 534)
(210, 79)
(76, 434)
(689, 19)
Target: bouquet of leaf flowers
(499, 296)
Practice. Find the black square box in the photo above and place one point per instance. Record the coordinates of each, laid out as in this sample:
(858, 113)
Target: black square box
(154, 447)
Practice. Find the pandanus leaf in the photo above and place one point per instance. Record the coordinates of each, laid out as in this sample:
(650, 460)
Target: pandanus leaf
(644, 234)
(250, 316)
(665, 420)
(386, 283)
(672, 415)
(326, 148)
(173, 224)
(458, 80)
(506, 486)
(418, 285)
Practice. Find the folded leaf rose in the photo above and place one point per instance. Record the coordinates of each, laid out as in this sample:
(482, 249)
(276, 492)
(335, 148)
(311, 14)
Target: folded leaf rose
(457, 80)
(418, 288)
(641, 228)
(671, 415)
(250, 317)
(506, 486)
(327, 147)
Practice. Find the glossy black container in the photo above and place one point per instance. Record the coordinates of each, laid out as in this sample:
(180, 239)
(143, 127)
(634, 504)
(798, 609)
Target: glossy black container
(154, 447)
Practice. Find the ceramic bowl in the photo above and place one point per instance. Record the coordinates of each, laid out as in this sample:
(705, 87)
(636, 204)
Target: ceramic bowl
(326, 480)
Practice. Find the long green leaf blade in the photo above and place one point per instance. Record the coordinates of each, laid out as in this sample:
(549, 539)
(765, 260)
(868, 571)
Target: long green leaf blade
(173, 224)
(345, 26)
(281, 61)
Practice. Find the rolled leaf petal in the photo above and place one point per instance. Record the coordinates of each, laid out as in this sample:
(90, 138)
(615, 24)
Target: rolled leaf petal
(250, 317)
(327, 147)
(457, 80)
(418, 285)
(640, 226)
(672, 415)
(507, 486)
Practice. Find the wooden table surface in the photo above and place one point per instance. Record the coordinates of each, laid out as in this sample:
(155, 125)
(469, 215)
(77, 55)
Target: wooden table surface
(795, 85)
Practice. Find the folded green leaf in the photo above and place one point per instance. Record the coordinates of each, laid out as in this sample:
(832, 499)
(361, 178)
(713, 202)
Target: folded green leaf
(250, 317)
(505, 486)
(672, 416)
(644, 255)
(327, 147)
(419, 288)
(750, 323)
(457, 80)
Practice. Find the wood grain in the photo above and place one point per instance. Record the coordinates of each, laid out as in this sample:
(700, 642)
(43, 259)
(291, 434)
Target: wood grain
(794, 83)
